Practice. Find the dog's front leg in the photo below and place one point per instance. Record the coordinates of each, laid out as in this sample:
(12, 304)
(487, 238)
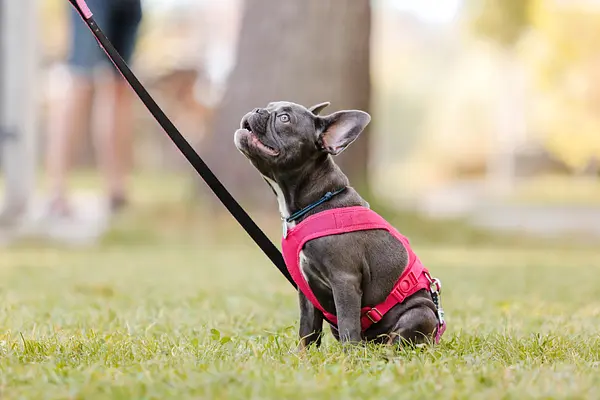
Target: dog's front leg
(311, 323)
(347, 296)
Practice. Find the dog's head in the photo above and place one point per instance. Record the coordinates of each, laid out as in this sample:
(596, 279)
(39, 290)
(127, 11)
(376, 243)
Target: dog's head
(285, 136)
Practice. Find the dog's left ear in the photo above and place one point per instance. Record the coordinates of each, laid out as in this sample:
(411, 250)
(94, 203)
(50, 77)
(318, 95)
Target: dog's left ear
(338, 130)
(317, 108)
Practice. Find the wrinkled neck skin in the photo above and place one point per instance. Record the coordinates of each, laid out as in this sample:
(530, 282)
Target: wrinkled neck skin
(298, 188)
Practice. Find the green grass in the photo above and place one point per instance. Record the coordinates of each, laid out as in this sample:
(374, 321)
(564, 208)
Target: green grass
(167, 308)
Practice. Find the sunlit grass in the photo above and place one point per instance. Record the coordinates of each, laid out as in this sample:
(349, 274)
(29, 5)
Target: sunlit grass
(176, 303)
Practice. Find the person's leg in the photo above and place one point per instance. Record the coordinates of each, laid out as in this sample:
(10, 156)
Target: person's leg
(69, 117)
(70, 113)
(114, 140)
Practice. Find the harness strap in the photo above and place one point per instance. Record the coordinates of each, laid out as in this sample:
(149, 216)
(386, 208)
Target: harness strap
(412, 280)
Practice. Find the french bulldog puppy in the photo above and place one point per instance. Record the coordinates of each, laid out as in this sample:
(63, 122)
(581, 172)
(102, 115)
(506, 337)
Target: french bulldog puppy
(292, 148)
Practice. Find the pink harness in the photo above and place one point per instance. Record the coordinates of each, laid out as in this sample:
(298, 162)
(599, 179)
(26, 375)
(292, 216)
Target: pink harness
(349, 219)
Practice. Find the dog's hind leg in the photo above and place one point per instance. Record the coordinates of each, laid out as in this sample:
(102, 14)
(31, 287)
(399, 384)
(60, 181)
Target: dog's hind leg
(311, 323)
(417, 325)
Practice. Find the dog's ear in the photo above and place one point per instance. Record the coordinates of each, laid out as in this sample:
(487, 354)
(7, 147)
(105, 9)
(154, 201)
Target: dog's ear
(317, 108)
(338, 130)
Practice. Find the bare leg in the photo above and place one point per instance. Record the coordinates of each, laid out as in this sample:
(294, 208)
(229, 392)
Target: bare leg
(69, 117)
(114, 138)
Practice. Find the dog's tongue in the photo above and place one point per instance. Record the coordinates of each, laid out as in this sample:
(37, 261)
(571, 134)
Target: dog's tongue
(256, 141)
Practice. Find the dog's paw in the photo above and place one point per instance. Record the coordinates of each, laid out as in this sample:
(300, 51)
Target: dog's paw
(301, 348)
(350, 347)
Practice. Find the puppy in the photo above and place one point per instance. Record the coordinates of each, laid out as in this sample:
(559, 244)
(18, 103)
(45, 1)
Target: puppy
(351, 267)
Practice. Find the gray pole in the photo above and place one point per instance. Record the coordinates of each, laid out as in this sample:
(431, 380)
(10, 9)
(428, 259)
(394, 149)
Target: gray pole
(18, 106)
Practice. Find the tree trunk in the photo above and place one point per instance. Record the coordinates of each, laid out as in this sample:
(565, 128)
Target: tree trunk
(307, 52)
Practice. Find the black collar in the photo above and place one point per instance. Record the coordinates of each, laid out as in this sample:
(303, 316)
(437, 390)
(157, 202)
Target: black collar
(306, 209)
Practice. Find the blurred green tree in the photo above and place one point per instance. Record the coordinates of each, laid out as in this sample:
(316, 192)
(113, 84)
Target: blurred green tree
(565, 62)
(502, 21)
(307, 52)
(562, 57)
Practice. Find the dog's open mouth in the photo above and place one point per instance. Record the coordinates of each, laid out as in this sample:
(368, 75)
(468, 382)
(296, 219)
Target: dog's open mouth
(256, 142)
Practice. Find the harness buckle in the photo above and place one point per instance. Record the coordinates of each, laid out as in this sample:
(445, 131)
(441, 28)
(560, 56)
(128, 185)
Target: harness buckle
(374, 319)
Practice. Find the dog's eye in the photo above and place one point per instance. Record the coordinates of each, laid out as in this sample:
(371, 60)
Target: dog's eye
(284, 118)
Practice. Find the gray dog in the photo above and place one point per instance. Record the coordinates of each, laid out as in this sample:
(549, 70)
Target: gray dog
(341, 273)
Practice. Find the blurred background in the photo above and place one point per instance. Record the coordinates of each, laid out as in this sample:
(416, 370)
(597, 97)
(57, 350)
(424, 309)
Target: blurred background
(486, 113)
(122, 276)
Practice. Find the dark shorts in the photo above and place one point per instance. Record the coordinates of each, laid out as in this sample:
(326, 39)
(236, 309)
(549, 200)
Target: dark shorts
(118, 19)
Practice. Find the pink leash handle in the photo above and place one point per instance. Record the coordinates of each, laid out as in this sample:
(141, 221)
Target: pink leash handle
(82, 8)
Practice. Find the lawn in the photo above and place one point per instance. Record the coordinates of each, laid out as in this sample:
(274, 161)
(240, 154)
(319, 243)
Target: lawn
(167, 308)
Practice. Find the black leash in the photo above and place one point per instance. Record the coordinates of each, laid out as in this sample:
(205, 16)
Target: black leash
(188, 151)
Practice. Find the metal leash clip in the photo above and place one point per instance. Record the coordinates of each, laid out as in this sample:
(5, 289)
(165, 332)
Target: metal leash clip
(435, 289)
